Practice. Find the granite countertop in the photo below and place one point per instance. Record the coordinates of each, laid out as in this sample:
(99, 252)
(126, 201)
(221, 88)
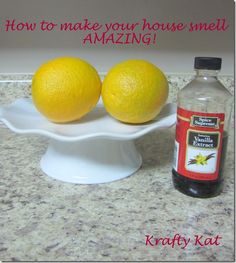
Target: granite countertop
(42, 219)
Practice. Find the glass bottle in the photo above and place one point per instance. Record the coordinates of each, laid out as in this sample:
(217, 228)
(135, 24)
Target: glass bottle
(203, 117)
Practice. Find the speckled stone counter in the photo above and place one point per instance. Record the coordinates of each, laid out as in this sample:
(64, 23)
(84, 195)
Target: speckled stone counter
(42, 219)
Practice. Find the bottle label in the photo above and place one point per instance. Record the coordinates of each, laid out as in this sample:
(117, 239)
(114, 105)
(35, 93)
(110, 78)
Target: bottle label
(198, 144)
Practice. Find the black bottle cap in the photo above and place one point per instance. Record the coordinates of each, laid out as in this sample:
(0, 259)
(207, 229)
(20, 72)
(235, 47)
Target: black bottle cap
(211, 63)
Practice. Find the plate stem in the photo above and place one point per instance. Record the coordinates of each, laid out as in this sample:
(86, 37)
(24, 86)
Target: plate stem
(91, 161)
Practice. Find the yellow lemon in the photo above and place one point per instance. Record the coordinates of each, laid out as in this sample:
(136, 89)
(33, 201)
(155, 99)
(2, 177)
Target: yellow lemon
(65, 89)
(134, 91)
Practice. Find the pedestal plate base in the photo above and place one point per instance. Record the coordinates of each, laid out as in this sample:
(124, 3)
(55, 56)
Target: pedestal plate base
(90, 161)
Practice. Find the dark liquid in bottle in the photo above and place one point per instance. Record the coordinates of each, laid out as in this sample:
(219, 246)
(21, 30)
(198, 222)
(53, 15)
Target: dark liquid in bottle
(202, 189)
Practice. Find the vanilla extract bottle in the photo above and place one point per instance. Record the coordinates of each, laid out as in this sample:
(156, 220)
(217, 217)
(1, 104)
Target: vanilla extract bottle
(203, 116)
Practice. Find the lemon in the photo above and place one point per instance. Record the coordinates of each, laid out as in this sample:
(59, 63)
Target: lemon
(65, 89)
(134, 91)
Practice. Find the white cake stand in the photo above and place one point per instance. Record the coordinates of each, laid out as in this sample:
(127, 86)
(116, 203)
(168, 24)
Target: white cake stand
(95, 149)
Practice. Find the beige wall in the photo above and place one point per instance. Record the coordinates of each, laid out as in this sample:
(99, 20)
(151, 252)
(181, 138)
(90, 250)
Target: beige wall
(25, 51)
